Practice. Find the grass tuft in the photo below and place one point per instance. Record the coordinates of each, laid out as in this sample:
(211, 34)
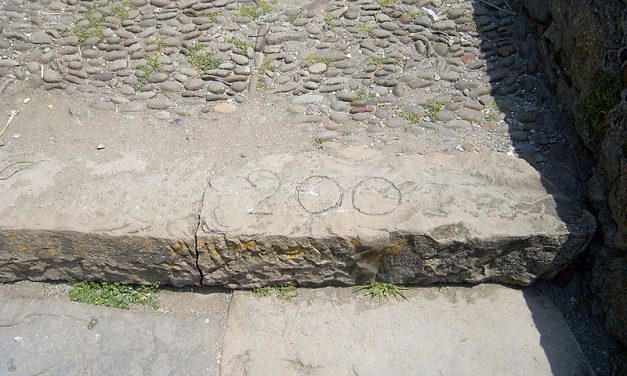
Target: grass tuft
(410, 117)
(282, 292)
(377, 61)
(328, 18)
(93, 29)
(114, 294)
(94, 16)
(365, 29)
(249, 11)
(363, 95)
(292, 17)
(604, 95)
(383, 290)
(213, 17)
(313, 59)
(152, 65)
(241, 44)
(433, 109)
(200, 58)
(267, 65)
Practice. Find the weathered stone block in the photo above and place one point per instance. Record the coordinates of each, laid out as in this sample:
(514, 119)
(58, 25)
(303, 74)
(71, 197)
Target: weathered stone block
(313, 220)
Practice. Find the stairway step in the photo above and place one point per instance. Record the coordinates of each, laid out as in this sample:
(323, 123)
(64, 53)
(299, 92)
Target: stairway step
(309, 219)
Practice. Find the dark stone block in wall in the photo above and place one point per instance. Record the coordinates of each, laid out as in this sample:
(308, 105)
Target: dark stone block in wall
(539, 10)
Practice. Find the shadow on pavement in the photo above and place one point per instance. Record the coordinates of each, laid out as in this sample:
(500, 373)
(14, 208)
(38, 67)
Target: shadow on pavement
(525, 108)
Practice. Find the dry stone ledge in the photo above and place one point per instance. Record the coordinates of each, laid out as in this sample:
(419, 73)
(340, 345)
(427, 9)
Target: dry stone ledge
(314, 219)
(107, 222)
(308, 219)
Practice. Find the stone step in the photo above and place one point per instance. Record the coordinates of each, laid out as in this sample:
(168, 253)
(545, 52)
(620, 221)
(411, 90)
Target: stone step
(484, 330)
(307, 219)
(313, 219)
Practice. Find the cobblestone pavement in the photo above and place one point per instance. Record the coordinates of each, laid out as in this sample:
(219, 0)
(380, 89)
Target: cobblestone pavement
(401, 76)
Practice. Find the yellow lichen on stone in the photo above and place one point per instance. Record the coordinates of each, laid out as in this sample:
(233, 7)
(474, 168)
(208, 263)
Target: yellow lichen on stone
(48, 252)
(179, 248)
(250, 245)
(375, 255)
(235, 246)
(208, 249)
(182, 246)
(24, 247)
(295, 252)
(395, 249)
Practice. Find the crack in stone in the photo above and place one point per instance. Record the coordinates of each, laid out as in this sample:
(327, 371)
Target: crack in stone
(226, 329)
(198, 224)
(33, 315)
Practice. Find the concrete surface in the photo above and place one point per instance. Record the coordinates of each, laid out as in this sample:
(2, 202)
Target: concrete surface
(483, 330)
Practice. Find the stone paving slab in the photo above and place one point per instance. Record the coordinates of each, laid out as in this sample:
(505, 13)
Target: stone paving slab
(57, 337)
(313, 219)
(485, 330)
(62, 219)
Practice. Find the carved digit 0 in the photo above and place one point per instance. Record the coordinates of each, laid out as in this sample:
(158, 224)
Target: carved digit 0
(376, 196)
(318, 194)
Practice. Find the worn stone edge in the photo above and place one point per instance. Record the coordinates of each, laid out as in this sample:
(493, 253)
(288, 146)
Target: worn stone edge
(407, 258)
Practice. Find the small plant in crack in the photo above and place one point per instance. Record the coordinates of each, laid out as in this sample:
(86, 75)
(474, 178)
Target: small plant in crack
(490, 117)
(282, 292)
(257, 9)
(200, 58)
(411, 117)
(595, 105)
(329, 18)
(114, 294)
(313, 59)
(377, 61)
(365, 29)
(266, 67)
(295, 15)
(213, 17)
(318, 144)
(89, 28)
(266, 5)
(433, 109)
(152, 65)
(249, 11)
(241, 44)
(383, 290)
(363, 95)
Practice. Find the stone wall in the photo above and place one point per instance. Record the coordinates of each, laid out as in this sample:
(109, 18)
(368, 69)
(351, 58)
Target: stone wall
(583, 45)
